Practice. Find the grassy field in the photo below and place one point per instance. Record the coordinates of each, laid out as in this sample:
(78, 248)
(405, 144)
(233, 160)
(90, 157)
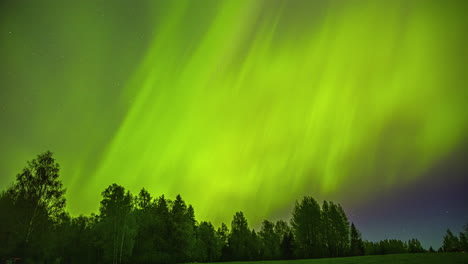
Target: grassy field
(426, 258)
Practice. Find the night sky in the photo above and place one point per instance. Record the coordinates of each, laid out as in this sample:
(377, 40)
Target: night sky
(246, 105)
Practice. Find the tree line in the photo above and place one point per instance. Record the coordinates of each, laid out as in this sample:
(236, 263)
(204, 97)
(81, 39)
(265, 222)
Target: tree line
(145, 229)
(452, 243)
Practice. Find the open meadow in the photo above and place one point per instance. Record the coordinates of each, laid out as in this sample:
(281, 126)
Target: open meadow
(423, 258)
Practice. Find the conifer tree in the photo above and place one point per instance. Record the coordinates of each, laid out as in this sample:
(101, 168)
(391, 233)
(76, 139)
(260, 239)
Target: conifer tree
(357, 246)
(306, 224)
(451, 242)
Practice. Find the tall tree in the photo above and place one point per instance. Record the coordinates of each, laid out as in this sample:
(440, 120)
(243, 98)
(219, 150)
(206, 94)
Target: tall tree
(162, 232)
(270, 241)
(12, 228)
(239, 237)
(253, 246)
(182, 236)
(208, 244)
(143, 250)
(287, 246)
(192, 229)
(451, 242)
(282, 231)
(144, 200)
(463, 242)
(282, 228)
(328, 237)
(39, 190)
(342, 226)
(464, 238)
(335, 233)
(117, 224)
(76, 240)
(306, 223)
(223, 236)
(357, 246)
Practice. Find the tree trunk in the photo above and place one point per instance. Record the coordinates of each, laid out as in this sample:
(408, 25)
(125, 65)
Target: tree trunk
(121, 244)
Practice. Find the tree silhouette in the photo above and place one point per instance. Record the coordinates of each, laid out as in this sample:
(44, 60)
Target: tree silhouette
(342, 225)
(306, 224)
(253, 246)
(117, 223)
(77, 239)
(223, 237)
(208, 245)
(387, 246)
(142, 229)
(182, 230)
(451, 242)
(464, 239)
(239, 238)
(35, 204)
(12, 229)
(357, 246)
(281, 229)
(328, 240)
(144, 201)
(270, 241)
(287, 246)
(39, 189)
(145, 215)
(414, 246)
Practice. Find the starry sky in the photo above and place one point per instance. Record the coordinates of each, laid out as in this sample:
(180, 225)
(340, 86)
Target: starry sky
(246, 105)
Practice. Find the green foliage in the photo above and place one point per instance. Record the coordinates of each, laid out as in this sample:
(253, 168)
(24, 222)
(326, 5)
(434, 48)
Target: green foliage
(208, 245)
(320, 232)
(451, 242)
(182, 230)
(307, 227)
(357, 245)
(463, 242)
(117, 225)
(147, 221)
(144, 201)
(77, 239)
(239, 238)
(253, 244)
(11, 227)
(464, 239)
(414, 246)
(387, 246)
(35, 203)
(270, 241)
(281, 229)
(288, 246)
(336, 225)
(342, 225)
(38, 184)
(223, 235)
(144, 229)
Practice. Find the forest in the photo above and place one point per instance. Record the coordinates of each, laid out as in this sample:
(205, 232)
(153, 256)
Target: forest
(142, 228)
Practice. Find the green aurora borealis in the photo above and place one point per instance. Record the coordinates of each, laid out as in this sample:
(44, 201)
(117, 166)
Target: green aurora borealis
(250, 104)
